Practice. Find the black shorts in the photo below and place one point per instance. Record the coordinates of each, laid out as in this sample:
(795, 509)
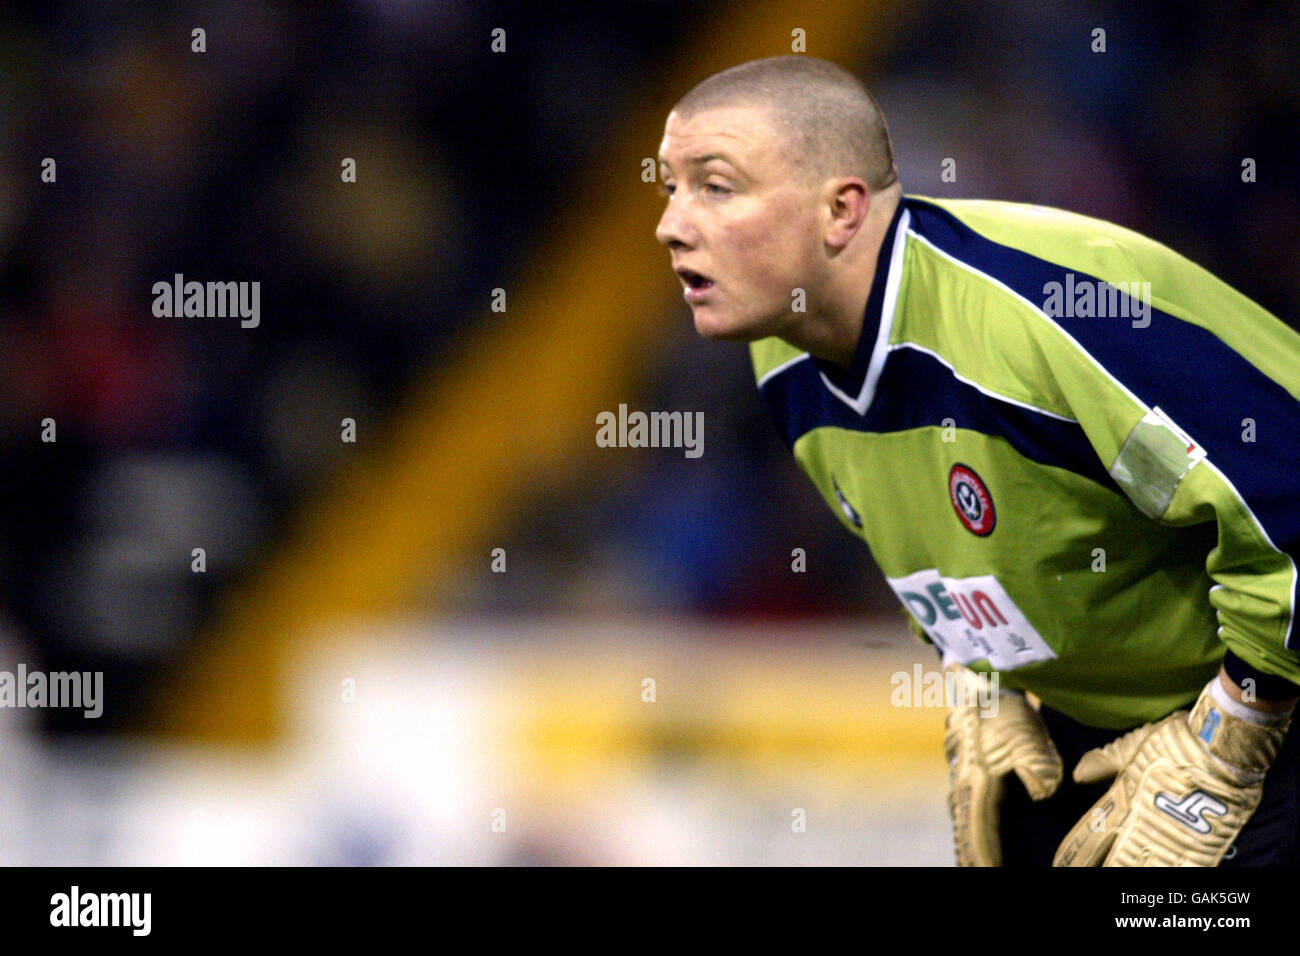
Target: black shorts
(1031, 832)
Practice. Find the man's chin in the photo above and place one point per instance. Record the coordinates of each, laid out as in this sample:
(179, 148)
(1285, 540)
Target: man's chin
(716, 326)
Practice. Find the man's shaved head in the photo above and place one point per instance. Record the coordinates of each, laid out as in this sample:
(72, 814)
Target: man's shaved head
(829, 123)
(780, 188)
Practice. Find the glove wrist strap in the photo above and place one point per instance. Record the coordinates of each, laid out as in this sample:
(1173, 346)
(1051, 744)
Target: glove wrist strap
(1235, 708)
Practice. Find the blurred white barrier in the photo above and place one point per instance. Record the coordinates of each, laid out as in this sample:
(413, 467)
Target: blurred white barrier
(661, 742)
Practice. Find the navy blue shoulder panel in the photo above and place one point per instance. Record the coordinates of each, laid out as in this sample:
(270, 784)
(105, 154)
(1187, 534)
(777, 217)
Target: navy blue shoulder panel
(1205, 386)
(916, 390)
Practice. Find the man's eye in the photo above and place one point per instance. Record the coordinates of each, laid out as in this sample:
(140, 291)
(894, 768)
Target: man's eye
(665, 190)
(717, 189)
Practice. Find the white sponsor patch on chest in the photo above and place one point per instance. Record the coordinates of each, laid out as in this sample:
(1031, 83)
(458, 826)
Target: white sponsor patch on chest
(971, 619)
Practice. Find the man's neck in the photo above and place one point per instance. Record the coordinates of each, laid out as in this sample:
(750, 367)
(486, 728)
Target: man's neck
(831, 330)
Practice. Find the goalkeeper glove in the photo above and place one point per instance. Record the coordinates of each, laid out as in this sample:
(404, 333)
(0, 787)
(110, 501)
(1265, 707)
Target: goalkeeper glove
(1184, 787)
(982, 749)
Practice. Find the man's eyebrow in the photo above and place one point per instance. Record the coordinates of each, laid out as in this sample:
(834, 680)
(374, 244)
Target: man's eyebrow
(702, 159)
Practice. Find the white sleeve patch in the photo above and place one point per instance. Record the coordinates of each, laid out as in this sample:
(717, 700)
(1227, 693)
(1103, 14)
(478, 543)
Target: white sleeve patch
(1151, 465)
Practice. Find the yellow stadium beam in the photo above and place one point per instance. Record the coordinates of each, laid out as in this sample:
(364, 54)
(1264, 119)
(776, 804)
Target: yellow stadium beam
(481, 432)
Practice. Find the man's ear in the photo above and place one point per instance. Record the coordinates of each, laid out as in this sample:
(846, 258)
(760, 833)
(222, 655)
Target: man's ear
(847, 201)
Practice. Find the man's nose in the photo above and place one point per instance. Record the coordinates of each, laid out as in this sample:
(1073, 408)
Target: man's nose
(673, 229)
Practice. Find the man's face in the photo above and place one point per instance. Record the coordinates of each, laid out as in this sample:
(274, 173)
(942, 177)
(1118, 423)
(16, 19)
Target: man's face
(741, 222)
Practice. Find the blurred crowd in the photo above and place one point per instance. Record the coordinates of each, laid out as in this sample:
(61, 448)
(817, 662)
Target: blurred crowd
(225, 166)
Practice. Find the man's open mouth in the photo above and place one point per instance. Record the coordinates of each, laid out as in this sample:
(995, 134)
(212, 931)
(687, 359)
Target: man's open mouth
(694, 280)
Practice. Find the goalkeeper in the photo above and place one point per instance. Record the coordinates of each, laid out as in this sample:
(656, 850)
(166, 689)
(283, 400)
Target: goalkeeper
(1071, 451)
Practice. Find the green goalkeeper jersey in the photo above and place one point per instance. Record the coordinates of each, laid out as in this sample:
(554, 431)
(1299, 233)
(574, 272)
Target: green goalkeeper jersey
(1071, 451)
